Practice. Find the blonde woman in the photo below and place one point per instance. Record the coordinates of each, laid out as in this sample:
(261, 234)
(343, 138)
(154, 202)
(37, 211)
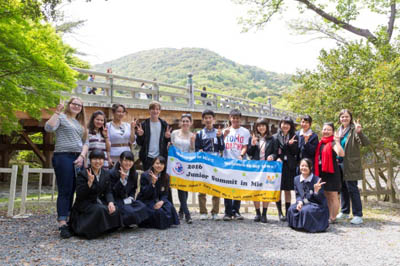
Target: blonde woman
(70, 150)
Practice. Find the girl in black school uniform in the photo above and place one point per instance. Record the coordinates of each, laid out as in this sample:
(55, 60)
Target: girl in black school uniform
(94, 212)
(262, 146)
(154, 186)
(287, 154)
(124, 179)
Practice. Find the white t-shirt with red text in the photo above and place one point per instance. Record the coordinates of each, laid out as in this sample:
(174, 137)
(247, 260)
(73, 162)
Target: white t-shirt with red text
(234, 142)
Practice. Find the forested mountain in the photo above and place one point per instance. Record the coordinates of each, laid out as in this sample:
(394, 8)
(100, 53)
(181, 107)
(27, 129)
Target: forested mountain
(209, 69)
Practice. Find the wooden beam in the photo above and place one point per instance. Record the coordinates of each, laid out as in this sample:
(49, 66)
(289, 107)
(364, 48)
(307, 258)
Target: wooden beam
(34, 147)
(23, 147)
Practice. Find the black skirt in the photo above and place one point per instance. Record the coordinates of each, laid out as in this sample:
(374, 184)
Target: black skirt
(133, 213)
(93, 220)
(287, 179)
(161, 218)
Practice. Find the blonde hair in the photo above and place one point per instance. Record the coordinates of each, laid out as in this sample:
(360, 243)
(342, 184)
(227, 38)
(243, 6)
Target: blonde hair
(80, 116)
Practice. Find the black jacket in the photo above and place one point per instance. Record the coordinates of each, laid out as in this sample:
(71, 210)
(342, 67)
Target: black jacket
(120, 191)
(307, 150)
(271, 148)
(99, 190)
(287, 153)
(148, 193)
(144, 140)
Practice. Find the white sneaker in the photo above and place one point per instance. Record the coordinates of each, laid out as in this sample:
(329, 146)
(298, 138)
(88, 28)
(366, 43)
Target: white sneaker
(342, 216)
(356, 220)
(203, 216)
(216, 217)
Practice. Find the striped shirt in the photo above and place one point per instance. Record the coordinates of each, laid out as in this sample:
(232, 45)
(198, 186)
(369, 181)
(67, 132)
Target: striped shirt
(69, 134)
(97, 141)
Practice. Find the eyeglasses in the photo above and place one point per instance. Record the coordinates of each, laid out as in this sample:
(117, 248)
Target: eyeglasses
(77, 105)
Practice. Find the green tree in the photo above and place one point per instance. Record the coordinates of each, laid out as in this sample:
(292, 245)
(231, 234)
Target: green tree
(33, 63)
(361, 78)
(333, 17)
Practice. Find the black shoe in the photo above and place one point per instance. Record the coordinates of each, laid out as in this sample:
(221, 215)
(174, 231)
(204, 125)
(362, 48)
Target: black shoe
(257, 218)
(64, 231)
(227, 217)
(264, 219)
(189, 220)
(180, 215)
(238, 217)
(282, 218)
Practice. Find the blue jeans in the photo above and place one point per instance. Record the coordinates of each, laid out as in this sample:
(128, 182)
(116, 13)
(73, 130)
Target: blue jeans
(183, 196)
(351, 193)
(231, 207)
(64, 168)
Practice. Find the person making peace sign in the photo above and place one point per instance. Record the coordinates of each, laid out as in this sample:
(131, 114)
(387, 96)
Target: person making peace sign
(153, 135)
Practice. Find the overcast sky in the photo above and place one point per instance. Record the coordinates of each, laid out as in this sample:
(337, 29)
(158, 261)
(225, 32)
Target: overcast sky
(116, 28)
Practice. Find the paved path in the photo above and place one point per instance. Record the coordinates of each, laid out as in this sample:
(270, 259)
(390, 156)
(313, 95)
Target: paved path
(35, 241)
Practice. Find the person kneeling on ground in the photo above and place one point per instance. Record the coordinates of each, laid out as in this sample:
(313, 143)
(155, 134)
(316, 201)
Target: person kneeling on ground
(94, 212)
(154, 186)
(310, 212)
(124, 185)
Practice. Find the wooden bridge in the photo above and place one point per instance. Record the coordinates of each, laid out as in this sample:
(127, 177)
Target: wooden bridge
(136, 94)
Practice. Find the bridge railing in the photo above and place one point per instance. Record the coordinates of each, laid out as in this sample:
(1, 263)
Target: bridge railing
(112, 88)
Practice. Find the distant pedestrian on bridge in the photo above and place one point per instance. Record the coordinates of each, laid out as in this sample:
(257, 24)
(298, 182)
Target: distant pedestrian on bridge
(70, 151)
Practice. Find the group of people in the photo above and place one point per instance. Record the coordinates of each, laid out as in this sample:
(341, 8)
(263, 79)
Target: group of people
(95, 161)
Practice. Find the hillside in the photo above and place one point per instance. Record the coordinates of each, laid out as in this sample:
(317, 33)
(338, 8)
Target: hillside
(209, 69)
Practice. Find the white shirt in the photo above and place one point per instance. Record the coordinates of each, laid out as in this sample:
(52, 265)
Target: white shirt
(234, 142)
(308, 179)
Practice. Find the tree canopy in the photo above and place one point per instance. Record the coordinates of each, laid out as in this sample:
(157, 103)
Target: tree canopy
(334, 16)
(33, 63)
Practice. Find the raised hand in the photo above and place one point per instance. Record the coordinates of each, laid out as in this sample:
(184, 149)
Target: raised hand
(59, 108)
(122, 174)
(140, 130)
(133, 124)
(318, 185)
(168, 132)
(358, 126)
(254, 140)
(105, 132)
(270, 158)
(226, 132)
(154, 178)
(90, 177)
(337, 137)
(292, 140)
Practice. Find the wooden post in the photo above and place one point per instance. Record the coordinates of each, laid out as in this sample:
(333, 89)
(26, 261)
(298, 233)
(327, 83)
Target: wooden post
(13, 184)
(392, 193)
(24, 191)
(364, 186)
(376, 178)
(47, 141)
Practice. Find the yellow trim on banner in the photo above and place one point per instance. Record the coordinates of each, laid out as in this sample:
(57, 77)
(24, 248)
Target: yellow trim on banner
(224, 192)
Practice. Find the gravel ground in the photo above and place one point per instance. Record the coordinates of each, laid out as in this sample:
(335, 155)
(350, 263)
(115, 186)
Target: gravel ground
(35, 241)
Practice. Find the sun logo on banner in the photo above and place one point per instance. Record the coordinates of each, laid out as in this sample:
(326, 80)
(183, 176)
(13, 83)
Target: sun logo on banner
(271, 177)
(178, 168)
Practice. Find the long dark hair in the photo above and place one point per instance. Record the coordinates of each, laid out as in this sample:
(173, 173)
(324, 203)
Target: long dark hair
(261, 121)
(126, 155)
(163, 175)
(289, 121)
(91, 126)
